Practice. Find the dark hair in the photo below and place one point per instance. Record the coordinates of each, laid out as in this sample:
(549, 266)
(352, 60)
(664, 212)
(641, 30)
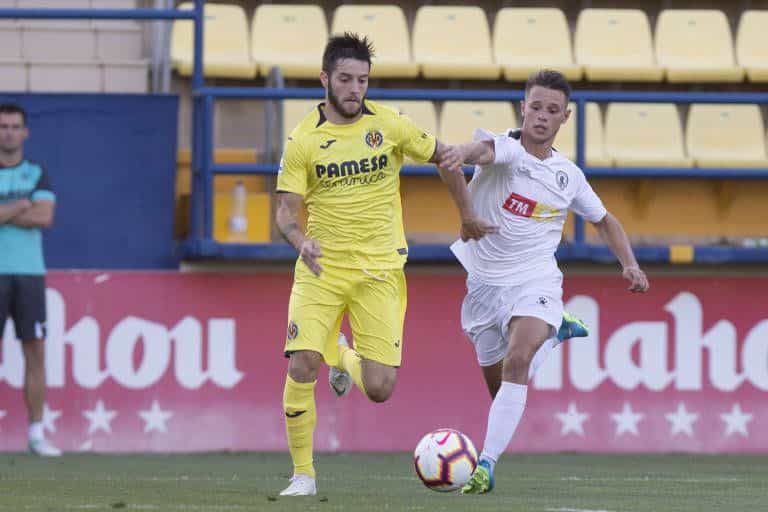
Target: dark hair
(550, 79)
(348, 46)
(12, 108)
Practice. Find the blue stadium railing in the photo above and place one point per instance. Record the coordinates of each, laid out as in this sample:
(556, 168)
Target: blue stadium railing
(201, 244)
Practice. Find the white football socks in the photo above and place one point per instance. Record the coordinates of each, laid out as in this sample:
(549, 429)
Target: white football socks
(36, 431)
(505, 414)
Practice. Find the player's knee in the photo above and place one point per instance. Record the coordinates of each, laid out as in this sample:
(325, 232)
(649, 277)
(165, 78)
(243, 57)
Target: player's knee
(303, 365)
(517, 360)
(379, 387)
(379, 393)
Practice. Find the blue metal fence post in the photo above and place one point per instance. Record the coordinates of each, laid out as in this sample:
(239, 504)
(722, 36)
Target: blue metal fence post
(199, 168)
(581, 115)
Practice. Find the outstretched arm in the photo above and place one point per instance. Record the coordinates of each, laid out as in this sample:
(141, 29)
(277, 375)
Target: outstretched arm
(472, 226)
(452, 158)
(613, 234)
(287, 219)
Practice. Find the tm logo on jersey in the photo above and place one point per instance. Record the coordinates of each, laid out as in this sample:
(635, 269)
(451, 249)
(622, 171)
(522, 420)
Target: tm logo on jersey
(524, 207)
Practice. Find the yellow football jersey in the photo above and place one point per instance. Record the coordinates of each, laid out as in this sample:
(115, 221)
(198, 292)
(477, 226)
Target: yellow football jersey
(349, 176)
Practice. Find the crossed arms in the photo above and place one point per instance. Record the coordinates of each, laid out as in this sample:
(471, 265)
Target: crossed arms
(27, 214)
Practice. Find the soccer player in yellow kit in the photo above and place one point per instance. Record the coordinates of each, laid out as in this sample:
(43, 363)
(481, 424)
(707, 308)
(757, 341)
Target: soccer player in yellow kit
(342, 162)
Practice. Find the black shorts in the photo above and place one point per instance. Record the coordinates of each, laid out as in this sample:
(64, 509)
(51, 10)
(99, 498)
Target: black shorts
(22, 297)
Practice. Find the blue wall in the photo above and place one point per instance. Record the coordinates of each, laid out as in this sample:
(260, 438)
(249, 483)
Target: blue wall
(112, 162)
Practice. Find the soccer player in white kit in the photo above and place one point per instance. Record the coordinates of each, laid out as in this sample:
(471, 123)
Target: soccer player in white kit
(513, 305)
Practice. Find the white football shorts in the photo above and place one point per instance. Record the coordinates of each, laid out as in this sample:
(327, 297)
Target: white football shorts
(487, 310)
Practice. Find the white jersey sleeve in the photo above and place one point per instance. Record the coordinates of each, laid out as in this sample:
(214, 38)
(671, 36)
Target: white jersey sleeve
(586, 203)
(508, 150)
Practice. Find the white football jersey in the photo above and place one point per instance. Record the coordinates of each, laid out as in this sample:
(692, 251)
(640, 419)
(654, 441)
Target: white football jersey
(529, 200)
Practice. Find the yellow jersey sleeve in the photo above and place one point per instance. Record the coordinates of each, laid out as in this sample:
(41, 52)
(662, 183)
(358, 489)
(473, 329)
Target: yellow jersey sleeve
(415, 142)
(294, 165)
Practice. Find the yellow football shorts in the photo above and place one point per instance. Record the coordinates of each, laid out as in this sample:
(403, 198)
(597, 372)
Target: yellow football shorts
(374, 301)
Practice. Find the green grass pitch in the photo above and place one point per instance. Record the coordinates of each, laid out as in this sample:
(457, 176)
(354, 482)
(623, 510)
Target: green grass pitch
(386, 482)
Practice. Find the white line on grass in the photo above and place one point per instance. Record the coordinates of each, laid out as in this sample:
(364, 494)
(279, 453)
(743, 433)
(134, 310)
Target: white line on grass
(651, 479)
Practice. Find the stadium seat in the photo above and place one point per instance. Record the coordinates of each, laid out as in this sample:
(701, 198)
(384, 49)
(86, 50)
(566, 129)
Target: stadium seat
(128, 76)
(695, 45)
(386, 27)
(10, 42)
(64, 76)
(274, 41)
(459, 119)
(118, 39)
(526, 40)
(226, 53)
(453, 42)
(726, 136)
(293, 112)
(615, 45)
(751, 47)
(565, 142)
(57, 42)
(644, 135)
(13, 75)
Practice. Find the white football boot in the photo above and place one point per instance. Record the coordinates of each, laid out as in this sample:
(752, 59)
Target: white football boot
(301, 485)
(43, 448)
(339, 380)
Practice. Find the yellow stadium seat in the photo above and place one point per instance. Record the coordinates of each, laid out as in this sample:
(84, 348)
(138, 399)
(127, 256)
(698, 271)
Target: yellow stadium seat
(293, 112)
(565, 142)
(459, 119)
(644, 135)
(751, 47)
(726, 136)
(615, 45)
(225, 53)
(695, 45)
(453, 42)
(526, 40)
(385, 26)
(291, 37)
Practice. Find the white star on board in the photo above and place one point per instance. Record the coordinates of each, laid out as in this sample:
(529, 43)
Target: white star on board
(627, 420)
(736, 421)
(99, 418)
(681, 420)
(155, 418)
(572, 420)
(49, 418)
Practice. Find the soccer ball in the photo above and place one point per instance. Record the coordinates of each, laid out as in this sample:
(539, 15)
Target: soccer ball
(445, 459)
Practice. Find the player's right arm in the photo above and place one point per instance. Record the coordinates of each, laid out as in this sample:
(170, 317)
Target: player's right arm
(287, 219)
(291, 189)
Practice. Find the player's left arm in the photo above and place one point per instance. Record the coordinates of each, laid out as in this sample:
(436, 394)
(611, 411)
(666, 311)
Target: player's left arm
(612, 233)
(587, 204)
(40, 214)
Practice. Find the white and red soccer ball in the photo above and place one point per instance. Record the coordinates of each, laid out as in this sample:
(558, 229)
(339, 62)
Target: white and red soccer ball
(445, 459)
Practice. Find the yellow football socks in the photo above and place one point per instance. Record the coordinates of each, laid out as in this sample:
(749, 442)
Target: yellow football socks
(300, 420)
(350, 362)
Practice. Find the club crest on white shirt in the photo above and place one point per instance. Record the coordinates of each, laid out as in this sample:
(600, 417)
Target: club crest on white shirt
(562, 179)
